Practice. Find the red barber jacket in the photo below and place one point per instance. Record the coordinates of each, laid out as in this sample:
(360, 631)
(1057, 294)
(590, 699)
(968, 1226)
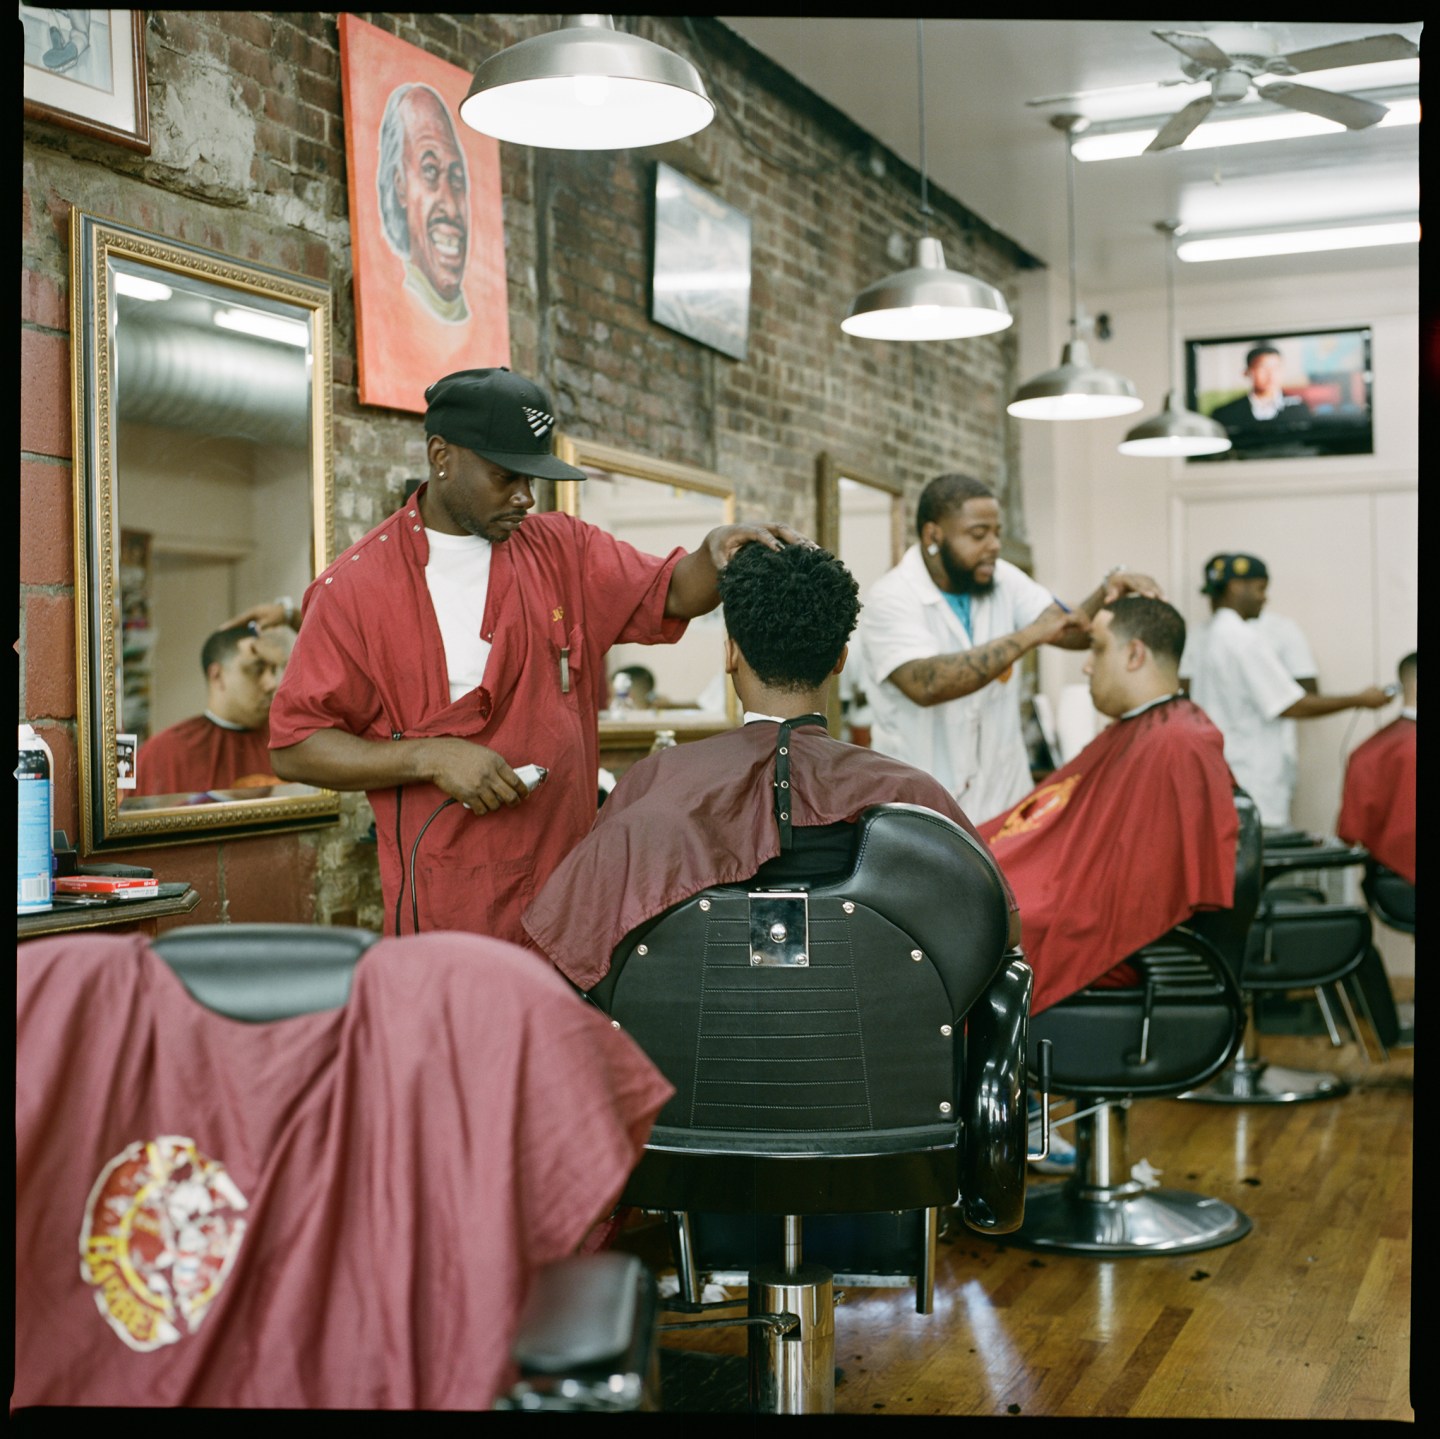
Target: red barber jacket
(370, 661)
(342, 1210)
(1117, 847)
(1377, 807)
(702, 814)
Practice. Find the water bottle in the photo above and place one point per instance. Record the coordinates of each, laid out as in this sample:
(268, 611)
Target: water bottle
(620, 702)
(664, 739)
(35, 805)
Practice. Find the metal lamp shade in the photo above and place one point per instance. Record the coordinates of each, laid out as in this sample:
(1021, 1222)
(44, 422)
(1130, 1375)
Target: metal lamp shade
(1176, 432)
(1075, 390)
(587, 86)
(927, 302)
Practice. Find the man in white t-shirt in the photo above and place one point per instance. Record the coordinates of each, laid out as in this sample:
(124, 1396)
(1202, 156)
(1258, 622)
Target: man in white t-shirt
(939, 639)
(1237, 677)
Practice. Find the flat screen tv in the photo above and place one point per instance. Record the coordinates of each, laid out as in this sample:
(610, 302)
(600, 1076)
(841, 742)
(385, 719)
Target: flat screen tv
(1286, 395)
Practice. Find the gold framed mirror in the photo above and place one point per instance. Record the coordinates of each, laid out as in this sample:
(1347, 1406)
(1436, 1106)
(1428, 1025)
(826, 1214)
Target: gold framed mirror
(655, 505)
(203, 486)
(860, 519)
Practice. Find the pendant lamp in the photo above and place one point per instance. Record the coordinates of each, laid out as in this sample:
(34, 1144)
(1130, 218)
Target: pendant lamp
(927, 301)
(587, 86)
(1175, 430)
(1076, 389)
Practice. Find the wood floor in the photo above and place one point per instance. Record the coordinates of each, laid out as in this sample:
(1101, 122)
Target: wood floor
(1306, 1317)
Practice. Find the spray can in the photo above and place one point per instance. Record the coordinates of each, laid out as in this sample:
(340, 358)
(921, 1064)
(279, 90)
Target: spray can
(35, 805)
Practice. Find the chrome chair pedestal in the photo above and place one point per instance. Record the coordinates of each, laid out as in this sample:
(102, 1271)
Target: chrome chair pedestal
(1104, 1210)
(792, 1372)
(1249, 1079)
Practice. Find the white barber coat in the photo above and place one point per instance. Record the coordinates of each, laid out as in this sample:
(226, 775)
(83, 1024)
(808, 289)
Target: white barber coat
(1238, 680)
(974, 745)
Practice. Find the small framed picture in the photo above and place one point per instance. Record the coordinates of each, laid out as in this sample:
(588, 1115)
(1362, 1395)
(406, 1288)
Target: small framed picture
(125, 747)
(700, 275)
(85, 70)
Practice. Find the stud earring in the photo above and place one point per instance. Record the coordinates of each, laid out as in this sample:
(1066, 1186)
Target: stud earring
(932, 549)
(439, 474)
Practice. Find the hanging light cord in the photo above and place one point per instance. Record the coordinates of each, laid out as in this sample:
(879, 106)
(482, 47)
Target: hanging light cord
(1170, 301)
(924, 168)
(1070, 212)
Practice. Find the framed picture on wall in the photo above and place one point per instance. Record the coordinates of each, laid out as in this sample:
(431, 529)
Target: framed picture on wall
(1285, 395)
(85, 70)
(700, 275)
(426, 229)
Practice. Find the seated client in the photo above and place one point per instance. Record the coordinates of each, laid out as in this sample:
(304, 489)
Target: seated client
(706, 813)
(1377, 805)
(1135, 833)
(227, 747)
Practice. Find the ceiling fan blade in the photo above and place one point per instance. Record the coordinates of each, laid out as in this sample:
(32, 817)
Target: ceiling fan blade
(1200, 48)
(1369, 51)
(1108, 90)
(1177, 128)
(1347, 110)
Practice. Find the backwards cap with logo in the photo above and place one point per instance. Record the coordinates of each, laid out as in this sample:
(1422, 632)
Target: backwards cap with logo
(499, 416)
(1221, 569)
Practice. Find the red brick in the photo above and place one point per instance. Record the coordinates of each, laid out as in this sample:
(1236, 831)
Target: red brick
(44, 394)
(47, 536)
(48, 645)
(43, 301)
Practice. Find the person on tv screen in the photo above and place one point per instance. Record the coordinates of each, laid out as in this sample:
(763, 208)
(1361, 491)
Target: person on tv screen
(1267, 403)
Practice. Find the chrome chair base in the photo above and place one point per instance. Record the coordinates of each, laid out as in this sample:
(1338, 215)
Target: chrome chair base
(1073, 1218)
(1267, 1084)
(792, 1372)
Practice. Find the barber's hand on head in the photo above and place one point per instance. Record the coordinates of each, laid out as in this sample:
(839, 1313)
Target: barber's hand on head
(478, 777)
(1055, 624)
(1372, 697)
(723, 542)
(1128, 582)
(265, 616)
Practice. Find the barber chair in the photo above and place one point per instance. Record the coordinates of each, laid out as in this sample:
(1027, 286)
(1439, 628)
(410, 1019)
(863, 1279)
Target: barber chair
(1297, 943)
(1179, 1027)
(1389, 896)
(848, 1059)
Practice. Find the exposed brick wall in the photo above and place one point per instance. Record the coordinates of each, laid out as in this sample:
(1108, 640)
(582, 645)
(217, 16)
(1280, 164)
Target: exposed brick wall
(248, 158)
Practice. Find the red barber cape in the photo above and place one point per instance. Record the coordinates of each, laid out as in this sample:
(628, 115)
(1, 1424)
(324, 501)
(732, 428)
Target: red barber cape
(1120, 845)
(196, 755)
(370, 660)
(1377, 808)
(342, 1210)
(702, 814)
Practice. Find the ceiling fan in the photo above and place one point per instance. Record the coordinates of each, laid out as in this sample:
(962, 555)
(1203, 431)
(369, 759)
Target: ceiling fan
(1232, 57)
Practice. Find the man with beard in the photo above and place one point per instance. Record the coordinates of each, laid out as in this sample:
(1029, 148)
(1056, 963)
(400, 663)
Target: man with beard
(941, 634)
(463, 639)
(424, 193)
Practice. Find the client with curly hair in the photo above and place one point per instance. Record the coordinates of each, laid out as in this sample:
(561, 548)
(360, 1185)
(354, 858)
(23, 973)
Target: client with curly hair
(711, 811)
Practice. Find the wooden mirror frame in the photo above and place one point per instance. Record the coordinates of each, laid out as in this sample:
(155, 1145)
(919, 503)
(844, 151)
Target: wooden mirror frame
(95, 244)
(627, 740)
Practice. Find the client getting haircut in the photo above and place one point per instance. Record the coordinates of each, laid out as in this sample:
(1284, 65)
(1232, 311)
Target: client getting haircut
(222, 645)
(790, 611)
(1157, 625)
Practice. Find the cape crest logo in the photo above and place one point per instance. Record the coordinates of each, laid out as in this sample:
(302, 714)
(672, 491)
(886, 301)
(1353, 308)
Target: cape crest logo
(1044, 804)
(161, 1231)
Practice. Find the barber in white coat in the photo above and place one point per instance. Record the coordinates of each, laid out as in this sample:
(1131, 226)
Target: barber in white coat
(940, 636)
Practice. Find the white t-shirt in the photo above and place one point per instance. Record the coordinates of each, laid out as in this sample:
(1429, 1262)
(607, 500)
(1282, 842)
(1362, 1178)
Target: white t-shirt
(1238, 680)
(458, 578)
(974, 745)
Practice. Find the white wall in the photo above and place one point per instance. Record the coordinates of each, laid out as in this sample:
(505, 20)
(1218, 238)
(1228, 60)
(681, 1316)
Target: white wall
(1339, 533)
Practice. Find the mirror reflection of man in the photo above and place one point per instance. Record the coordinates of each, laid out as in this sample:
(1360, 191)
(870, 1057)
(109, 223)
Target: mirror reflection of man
(1267, 401)
(228, 746)
(424, 191)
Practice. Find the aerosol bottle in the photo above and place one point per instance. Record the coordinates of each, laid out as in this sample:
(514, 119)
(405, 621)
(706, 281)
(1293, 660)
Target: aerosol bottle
(35, 805)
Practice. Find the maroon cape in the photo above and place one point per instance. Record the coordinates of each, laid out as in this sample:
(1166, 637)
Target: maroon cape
(702, 814)
(340, 1210)
(1120, 845)
(1377, 808)
(196, 755)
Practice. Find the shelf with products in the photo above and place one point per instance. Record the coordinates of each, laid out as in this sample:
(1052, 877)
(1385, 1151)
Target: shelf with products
(137, 633)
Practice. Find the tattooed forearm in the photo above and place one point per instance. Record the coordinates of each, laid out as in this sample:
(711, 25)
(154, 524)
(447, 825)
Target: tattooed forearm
(949, 677)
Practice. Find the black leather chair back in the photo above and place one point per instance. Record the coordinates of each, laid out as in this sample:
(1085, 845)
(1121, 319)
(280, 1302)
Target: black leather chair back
(1228, 929)
(1391, 897)
(865, 1034)
(264, 972)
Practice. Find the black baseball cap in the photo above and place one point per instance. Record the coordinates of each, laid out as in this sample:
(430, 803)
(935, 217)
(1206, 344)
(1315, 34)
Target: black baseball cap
(500, 416)
(1221, 569)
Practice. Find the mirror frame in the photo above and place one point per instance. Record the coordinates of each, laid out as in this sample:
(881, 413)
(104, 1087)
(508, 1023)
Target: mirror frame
(635, 735)
(94, 242)
(829, 470)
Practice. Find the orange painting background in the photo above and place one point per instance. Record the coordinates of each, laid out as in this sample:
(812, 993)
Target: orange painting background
(402, 345)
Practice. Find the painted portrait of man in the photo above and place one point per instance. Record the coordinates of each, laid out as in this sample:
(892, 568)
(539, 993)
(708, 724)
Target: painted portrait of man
(426, 220)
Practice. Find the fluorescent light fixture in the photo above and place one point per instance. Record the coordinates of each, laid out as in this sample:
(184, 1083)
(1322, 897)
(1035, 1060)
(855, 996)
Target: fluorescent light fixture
(265, 327)
(136, 287)
(1253, 129)
(1299, 242)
